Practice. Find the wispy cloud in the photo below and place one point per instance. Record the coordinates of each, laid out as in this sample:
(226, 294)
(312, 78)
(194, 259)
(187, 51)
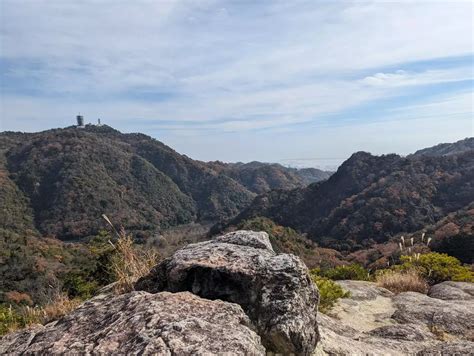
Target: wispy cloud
(174, 68)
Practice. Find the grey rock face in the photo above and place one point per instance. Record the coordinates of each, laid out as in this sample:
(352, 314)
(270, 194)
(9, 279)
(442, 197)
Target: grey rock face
(452, 291)
(145, 324)
(275, 291)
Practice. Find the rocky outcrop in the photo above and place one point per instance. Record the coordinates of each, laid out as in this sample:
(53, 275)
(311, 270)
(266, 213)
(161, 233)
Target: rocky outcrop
(274, 290)
(145, 324)
(374, 321)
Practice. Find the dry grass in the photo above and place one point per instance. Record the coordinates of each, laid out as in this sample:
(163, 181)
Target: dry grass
(130, 263)
(12, 319)
(61, 306)
(407, 281)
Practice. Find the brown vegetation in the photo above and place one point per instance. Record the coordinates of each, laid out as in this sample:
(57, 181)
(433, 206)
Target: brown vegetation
(12, 319)
(398, 282)
(129, 263)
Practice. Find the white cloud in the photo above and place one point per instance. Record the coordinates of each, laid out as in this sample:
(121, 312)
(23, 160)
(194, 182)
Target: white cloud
(401, 78)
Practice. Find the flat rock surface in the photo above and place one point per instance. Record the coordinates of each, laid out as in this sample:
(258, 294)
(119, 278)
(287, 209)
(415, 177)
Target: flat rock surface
(145, 324)
(374, 321)
(450, 318)
(274, 290)
(369, 306)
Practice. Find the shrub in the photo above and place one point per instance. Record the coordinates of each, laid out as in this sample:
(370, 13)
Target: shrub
(437, 267)
(102, 252)
(402, 281)
(329, 292)
(353, 272)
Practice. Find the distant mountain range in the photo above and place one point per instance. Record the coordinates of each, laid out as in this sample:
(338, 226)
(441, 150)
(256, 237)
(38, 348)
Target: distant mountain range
(261, 177)
(59, 182)
(370, 198)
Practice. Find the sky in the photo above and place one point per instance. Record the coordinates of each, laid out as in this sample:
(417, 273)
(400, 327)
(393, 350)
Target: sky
(303, 83)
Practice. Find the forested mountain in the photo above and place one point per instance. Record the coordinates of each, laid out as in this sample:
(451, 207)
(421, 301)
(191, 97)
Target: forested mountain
(372, 198)
(312, 175)
(59, 183)
(261, 177)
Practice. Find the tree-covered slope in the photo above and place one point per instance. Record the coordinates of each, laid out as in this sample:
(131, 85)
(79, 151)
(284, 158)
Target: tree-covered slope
(73, 176)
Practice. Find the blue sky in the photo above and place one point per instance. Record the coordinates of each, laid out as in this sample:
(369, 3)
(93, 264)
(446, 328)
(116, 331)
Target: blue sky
(301, 83)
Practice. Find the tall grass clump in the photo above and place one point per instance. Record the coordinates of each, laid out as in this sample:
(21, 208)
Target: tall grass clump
(402, 281)
(129, 263)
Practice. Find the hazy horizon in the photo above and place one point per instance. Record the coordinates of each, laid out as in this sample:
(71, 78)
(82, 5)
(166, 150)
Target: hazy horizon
(291, 83)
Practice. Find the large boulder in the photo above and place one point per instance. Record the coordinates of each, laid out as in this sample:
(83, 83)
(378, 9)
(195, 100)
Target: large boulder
(145, 324)
(274, 290)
